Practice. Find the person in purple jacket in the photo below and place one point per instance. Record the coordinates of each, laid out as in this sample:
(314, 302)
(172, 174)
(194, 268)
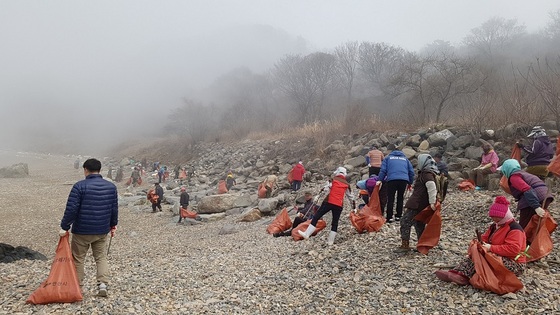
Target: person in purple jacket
(396, 173)
(92, 212)
(539, 153)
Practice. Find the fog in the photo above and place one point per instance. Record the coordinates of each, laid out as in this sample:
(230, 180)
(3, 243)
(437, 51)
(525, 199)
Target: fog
(81, 76)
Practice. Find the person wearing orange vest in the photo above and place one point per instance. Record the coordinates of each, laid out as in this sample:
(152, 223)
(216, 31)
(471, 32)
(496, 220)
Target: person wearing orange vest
(336, 191)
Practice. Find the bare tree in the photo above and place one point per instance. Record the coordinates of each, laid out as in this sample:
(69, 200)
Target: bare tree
(193, 119)
(379, 62)
(545, 78)
(494, 36)
(347, 63)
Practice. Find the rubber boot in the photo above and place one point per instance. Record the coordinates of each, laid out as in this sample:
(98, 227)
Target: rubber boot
(404, 247)
(330, 240)
(308, 232)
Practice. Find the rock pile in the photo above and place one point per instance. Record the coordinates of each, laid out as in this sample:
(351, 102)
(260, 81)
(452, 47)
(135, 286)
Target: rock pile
(9, 254)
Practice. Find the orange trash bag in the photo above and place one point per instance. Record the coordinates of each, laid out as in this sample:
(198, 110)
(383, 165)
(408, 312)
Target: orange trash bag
(262, 191)
(129, 181)
(554, 166)
(222, 188)
(290, 176)
(186, 213)
(491, 274)
(321, 224)
(152, 196)
(466, 185)
(538, 235)
(183, 174)
(369, 219)
(430, 237)
(281, 223)
(62, 284)
(139, 181)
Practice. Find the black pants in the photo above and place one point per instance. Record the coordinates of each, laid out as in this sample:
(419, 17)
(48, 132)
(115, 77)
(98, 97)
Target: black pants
(157, 204)
(374, 170)
(296, 185)
(326, 207)
(398, 187)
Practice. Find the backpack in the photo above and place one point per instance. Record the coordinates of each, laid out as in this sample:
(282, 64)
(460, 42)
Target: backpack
(441, 186)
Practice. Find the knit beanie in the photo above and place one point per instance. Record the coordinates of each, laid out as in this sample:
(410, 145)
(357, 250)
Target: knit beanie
(499, 208)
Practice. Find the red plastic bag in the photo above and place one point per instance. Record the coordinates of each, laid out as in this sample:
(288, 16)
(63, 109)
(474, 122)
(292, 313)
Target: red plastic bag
(321, 224)
(139, 181)
(491, 274)
(504, 184)
(430, 237)
(183, 174)
(152, 196)
(466, 184)
(281, 223)
(129, 181)
(222, 188)
(291, 176)
(62, 284)
(538, 234)
(262, 191)
(554, 166)
(369, 219)
(185, 213)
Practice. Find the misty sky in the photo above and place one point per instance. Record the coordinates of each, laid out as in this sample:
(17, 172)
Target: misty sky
(98, 71)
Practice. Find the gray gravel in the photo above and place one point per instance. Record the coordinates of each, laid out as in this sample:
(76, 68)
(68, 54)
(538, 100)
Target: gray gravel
(159, 267)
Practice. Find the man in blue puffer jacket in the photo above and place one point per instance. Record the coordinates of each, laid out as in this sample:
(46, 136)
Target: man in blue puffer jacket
(92, 211)
(397, 173)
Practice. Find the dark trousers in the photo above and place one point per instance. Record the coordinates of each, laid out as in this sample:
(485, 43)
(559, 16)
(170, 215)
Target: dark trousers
(326, 207)
(408, 222)
(296, 185)
(395, 187)
(374, 170)
(156, 205)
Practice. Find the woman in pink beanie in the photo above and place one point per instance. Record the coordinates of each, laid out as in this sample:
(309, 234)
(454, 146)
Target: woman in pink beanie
(505, 238)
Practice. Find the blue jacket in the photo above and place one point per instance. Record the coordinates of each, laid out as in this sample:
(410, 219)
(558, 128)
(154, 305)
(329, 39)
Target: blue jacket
(92, 207)
(396, 166)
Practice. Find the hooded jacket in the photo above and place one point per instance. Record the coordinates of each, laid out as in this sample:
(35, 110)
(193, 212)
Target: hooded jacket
(297, 172)
(396, 166)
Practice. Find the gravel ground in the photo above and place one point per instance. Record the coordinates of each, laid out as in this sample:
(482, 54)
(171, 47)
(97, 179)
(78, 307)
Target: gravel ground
(159, 267)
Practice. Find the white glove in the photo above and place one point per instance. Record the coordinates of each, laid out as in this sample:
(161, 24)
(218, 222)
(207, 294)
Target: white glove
(540, 212)
(369, 165)
(433, 206)
(486, 246)
(476, 168)
(315, 199)
(62, 232)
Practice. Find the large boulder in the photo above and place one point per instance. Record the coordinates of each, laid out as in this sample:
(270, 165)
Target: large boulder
(251, 215)
(9, 254)
(15, 171)
(267, 205)
(473, 153)
(216, 203)
(463, 142)
(356, 161)
(424, 145)
(409, 152)
(439, 138)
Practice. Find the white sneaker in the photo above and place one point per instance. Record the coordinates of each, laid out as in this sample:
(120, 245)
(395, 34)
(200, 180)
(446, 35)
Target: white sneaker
(102, 290)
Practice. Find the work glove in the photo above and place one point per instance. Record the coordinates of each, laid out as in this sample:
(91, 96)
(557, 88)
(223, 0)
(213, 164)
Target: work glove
(433, 206)
(486, 246)
(62, 232)
(378, 183)
(369, 165)
(540, 212)
(113, 231)
(315, 199)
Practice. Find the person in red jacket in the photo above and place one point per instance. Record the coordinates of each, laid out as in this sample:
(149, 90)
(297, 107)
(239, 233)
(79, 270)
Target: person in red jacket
(297, 176)
(505, 238)
(335, 191)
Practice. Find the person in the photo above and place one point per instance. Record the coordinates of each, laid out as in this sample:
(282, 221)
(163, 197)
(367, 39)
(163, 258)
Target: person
(135, 176)
(270, 182)
(424, 194)
(488, 165)
(397, 173)
(77, 163)
(176, 171)
(92, 213)
(335, 191)
(120, 174)
(159, 193)
(505, 238)
(297, 175)
(441, 165)
(539, 153)
(304, 213)
(530, 192)
(368, 185)
(160, 174)
(110, 173)
(374, 158)
(183, 201)
(155, 166)
(230, 180)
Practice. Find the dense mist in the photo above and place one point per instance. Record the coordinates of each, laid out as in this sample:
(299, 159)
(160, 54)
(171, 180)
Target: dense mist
(80, 77)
